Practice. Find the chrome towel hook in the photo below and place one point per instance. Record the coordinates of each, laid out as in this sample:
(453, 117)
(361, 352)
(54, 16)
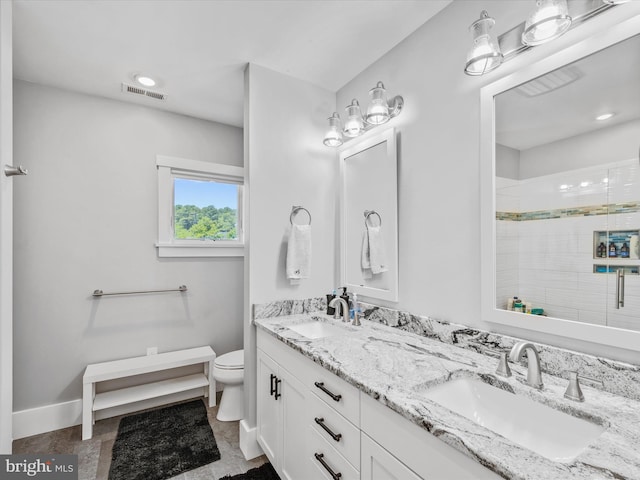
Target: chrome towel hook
(11, 171)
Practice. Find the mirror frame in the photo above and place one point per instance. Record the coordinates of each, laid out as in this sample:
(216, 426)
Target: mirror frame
(369, 140)
(597, 334)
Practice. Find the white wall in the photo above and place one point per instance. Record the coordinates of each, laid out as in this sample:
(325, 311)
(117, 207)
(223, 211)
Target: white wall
(286, 164)
(615, 143)
(86, 218)
(507, 162)
(439, 187)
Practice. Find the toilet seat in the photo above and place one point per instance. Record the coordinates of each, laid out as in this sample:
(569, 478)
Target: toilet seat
(230, 361)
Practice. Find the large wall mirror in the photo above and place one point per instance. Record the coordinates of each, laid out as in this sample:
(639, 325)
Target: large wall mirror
(561, 193)
(369, 204)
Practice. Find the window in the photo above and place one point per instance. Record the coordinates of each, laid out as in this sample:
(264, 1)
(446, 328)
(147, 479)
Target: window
(200, 208)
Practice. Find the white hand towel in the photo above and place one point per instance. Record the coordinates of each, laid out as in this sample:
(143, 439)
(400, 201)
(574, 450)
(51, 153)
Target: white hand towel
(377, 257)
(365, 262)
(299, 252)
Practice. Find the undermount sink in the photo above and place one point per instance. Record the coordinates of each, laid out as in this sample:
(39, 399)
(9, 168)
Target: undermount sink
(316, 329)
(553, 434)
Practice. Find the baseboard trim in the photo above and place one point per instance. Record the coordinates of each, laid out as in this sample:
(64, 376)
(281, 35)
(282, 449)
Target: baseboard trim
(249, 441)
(46, 419)
(35, 421)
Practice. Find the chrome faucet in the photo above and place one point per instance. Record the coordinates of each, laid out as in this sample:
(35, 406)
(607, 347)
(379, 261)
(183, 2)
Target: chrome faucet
(534, 377)
(345, 308)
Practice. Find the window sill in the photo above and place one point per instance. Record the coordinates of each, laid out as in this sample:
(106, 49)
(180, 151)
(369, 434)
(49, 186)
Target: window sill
(207, 250)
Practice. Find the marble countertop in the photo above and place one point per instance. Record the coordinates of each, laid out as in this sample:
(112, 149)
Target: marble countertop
(397, 367)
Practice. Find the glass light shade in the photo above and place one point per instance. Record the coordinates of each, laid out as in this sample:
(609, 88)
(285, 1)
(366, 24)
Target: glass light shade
(549, 20)
(354, 126)
(485, 54)
(333, 138)
(378, 110)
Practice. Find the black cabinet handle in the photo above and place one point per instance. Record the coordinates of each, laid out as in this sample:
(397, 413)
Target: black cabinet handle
(335, 436)
(320, 385)
(273, 388)
(319, 457)
(278, 394)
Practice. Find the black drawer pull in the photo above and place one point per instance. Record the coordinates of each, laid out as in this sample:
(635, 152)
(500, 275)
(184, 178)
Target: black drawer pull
(319, 457)
(335, 436)
(278, 394)
(273, 389)
(320, 385)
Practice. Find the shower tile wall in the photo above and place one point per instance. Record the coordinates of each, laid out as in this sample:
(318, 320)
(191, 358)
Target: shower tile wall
(549, 261)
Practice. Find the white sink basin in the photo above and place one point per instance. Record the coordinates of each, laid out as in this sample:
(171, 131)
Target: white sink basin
(316, 329)
(548, 432)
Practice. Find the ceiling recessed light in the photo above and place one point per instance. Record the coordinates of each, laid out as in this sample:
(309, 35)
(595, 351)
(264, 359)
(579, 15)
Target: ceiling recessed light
(605, 116)
(144, 80)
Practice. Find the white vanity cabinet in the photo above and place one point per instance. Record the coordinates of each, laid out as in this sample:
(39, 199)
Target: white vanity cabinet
(281, 403)
(312, 425)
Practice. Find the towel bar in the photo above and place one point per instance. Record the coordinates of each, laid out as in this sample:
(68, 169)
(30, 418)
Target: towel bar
(100, 293)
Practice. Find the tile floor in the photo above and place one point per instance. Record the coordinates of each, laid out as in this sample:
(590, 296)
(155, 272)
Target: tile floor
(94, 456)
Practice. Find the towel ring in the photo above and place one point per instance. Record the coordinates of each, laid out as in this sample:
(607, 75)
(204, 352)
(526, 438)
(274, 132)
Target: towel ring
(295, 209)
(368, 213)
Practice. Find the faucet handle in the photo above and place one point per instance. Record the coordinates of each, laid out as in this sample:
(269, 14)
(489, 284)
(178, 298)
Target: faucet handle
(503, 369)
(574, 392)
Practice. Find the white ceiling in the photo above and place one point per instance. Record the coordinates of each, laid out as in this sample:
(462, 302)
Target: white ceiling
(609, 82)
(198, 49)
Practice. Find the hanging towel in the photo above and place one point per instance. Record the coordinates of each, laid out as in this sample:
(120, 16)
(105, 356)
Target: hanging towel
(299, 252)
(373, 254)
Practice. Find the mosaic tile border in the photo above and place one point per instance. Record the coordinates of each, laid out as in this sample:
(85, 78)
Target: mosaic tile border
(619, 378)
(587, 211)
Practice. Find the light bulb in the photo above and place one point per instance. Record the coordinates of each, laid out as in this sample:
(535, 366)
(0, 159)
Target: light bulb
(485, 54)
(354, 126)
(549, 20)
(333, 138)
(378, 110)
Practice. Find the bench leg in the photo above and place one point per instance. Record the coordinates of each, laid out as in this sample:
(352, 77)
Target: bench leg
(208, 371)
(88, 394)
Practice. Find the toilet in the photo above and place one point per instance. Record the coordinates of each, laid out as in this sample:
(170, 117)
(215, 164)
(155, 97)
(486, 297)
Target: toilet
(229, 370)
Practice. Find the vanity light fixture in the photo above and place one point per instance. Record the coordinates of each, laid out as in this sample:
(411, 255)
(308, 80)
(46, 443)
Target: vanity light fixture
(605, 116)
(379, 111)
(548, 21)
(485, 54)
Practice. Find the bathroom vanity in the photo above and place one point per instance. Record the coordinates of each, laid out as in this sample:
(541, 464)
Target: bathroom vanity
(356, 401)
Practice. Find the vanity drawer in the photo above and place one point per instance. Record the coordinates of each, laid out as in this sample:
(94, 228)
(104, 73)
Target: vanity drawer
(347, 441)
(335, 392)
(321, 451)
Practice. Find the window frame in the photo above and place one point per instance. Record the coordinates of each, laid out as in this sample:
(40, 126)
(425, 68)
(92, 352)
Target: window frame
(168, 169)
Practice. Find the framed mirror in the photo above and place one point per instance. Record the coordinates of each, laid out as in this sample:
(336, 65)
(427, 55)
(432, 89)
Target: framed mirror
(369, 216)
(560, 145)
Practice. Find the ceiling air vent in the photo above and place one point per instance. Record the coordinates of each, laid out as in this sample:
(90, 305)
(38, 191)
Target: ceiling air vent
(550, 82)
(132, 89)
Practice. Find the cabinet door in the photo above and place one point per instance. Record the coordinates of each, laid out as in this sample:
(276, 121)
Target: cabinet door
(269, 409)
(378, 464)
(294, 465)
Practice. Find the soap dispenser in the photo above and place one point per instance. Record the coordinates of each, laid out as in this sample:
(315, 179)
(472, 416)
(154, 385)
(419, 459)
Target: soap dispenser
(345, 297)
(331, 296)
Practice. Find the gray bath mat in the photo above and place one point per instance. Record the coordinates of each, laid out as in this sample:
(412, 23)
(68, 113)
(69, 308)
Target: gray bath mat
(163, 443)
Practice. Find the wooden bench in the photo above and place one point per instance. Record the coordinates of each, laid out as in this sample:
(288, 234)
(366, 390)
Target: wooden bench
(100, 372)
